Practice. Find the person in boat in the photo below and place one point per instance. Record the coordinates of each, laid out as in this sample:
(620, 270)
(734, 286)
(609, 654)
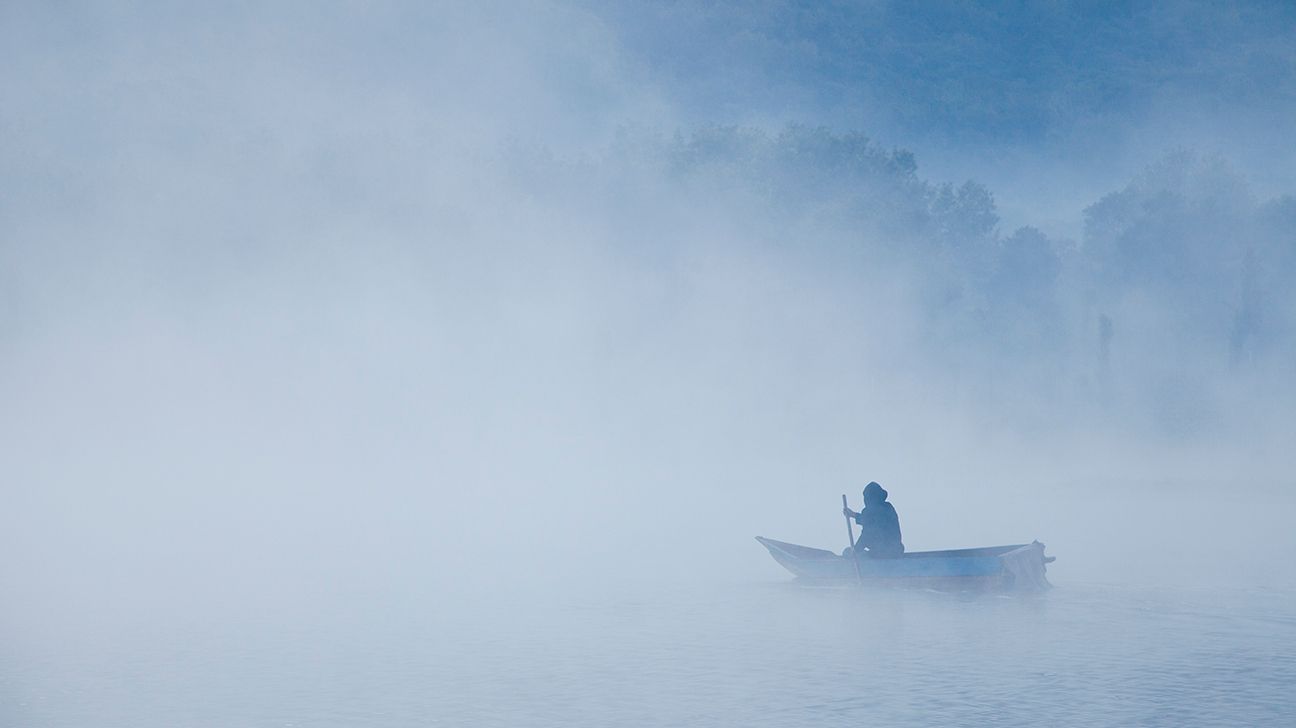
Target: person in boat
(879, 525)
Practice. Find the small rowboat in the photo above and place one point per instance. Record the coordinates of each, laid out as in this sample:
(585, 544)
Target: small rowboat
(1019, 566)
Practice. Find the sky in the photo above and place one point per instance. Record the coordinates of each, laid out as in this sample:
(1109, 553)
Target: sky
(300, 299)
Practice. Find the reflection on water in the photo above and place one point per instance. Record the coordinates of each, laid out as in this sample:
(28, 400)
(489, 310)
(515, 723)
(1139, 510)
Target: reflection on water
(753, 654)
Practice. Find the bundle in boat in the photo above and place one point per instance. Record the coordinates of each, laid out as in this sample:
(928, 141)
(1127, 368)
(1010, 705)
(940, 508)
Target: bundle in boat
(1013, 567)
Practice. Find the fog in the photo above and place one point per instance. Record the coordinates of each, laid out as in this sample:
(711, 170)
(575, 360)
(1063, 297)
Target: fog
(412, 314)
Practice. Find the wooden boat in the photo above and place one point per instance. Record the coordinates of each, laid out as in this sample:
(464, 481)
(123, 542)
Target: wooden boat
(1018, 566)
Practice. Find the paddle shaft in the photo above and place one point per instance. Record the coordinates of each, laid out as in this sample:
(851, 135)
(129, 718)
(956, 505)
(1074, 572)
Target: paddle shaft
(850, 527)
(850, 531)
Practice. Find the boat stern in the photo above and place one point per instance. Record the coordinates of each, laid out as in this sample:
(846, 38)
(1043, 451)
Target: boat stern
(1026, 566)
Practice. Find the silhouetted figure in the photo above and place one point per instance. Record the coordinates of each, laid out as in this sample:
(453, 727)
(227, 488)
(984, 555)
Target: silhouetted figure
(879, 525)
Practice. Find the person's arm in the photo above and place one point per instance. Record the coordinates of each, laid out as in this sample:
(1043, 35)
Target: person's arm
(850, 514)
(867, 527)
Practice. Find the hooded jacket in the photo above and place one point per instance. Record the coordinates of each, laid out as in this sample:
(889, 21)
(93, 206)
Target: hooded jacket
(879, 525)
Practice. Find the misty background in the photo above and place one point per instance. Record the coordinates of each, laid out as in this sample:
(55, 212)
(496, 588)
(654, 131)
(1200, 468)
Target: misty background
(352, 308)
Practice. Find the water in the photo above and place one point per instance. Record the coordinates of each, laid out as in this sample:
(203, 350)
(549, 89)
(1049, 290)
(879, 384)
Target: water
(755, 654)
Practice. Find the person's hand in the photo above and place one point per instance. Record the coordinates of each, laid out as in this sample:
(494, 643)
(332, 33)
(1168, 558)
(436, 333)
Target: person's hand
(848, 513)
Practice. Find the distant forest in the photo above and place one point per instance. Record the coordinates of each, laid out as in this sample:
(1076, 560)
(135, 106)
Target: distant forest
(1178, 295)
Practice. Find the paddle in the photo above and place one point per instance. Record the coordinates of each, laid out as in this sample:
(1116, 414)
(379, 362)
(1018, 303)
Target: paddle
(850, 532)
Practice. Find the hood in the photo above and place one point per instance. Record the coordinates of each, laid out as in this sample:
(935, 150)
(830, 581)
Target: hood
(873, 493)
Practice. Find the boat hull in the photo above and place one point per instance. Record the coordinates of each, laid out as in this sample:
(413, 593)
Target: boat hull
(1017, 566)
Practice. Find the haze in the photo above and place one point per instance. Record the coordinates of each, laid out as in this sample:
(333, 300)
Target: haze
(360, 315)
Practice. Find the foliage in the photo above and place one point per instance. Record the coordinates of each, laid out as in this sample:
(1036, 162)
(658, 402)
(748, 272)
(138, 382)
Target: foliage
(1179, 274)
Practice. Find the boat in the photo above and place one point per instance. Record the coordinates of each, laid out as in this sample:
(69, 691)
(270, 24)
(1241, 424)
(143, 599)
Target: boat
(995, 568)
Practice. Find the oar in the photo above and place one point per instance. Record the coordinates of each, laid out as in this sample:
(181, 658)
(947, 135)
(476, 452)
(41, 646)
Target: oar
(850, 531)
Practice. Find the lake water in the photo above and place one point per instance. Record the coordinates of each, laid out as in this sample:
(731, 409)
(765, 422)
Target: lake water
(765, 653)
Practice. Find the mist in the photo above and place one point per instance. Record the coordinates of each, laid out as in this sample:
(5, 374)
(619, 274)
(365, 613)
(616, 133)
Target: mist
(418, 334)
